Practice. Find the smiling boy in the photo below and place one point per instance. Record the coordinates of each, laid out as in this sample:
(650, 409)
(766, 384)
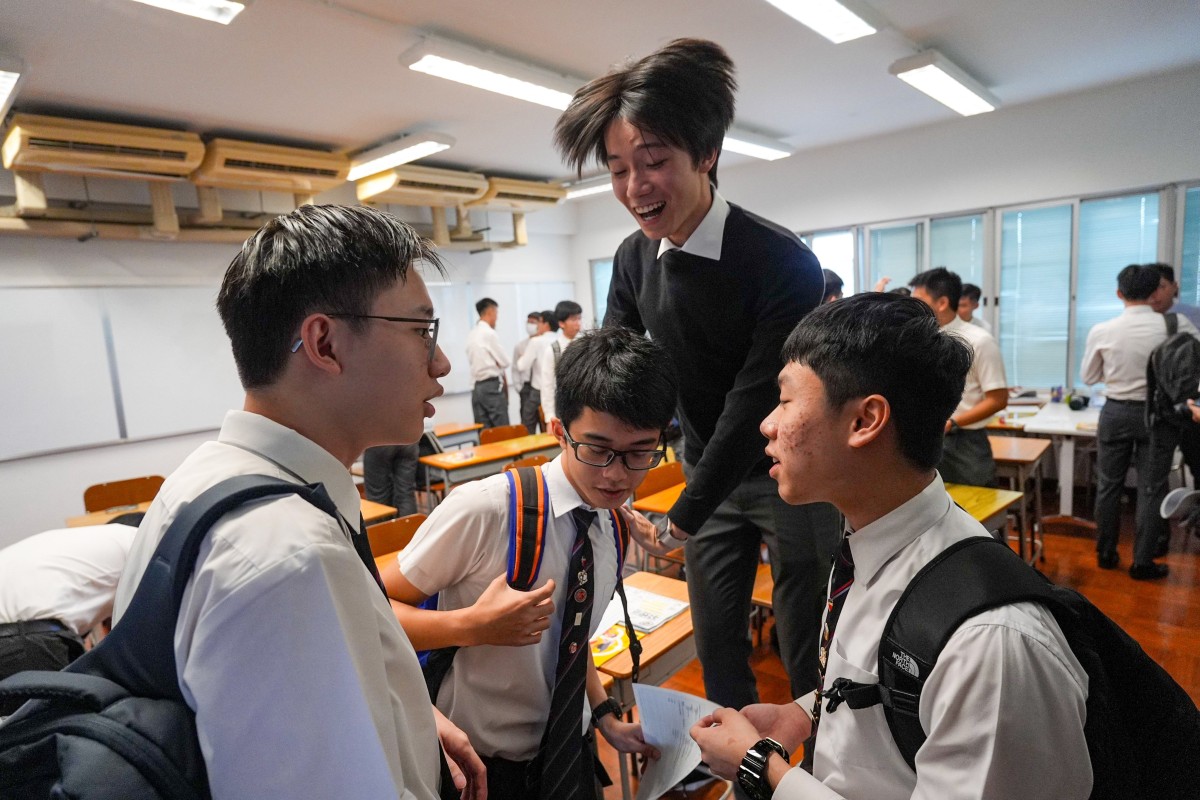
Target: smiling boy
(616, 394)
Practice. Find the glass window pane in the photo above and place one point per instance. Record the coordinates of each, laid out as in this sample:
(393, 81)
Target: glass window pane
(1035, 292)
(1189, 267)
(601, 278)
(956, 243)
(835, 251)
(1113, 233)
(895, 253)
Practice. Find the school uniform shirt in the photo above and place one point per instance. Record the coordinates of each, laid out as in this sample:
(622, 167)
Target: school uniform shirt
(547, 364)
(69, 575)
(1004, 707)
(485, 357)
(521, 376)
(1192, 313)
(303, 683)
(500, 696)
(987, 367)
(1118, 350)
(980, 322)
(531, 359)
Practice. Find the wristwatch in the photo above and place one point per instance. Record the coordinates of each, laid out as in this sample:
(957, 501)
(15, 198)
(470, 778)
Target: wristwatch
(609, 706)
(752, 774)
(954, 425)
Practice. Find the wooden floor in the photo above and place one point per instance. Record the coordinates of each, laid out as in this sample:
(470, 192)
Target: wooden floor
(1163, 616)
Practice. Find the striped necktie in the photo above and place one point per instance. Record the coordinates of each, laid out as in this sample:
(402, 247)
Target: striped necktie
(562, 742)
(839, 586)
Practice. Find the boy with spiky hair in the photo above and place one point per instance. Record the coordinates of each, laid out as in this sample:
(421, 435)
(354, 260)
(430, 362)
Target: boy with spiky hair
(721, 289)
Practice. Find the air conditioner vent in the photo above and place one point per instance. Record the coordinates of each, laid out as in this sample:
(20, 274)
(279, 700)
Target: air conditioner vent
(510, 194)
(410, 185)
(110, 149)
(291, 169)
(36, 143)
(233, 164)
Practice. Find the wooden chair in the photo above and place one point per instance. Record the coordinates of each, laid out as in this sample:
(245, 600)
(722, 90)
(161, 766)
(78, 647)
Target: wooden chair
(664, 476)
(528, 461)
(128, 492)
(395, 534)
(502, 433)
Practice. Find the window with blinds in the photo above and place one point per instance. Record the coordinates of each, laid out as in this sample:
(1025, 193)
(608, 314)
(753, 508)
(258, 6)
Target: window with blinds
(1114, 232)
(956, 243)
(895, 252)
(1189, 266)
(835, 251)
(601, 278)
(1035, 294)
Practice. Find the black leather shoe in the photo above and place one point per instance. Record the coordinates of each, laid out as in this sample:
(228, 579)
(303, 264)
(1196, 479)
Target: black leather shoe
(1148, 572)
(1108, 560)
(1161, 547)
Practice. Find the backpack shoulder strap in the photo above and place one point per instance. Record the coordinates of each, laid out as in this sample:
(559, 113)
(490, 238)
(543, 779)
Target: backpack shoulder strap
(1172, 321)
(528, 506)
(139, 653)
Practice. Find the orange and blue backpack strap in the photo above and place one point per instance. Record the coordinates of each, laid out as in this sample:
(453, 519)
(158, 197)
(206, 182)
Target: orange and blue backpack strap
(620, 537)
(529, 502)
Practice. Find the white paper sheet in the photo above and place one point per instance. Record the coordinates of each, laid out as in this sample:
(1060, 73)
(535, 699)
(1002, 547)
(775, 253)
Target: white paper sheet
(666, 717)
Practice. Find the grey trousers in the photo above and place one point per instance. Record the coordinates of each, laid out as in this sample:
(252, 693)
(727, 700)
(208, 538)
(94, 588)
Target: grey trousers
(531, 398)
(390, 476)
(967, 458)
(489, 402)
(1122, 439)
(722, 558)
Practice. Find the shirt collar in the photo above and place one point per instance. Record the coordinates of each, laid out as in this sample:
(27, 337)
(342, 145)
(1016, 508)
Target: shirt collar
(295, 454)
(955, 324)
(1138, 309)
(876, 544)
(563, 497)
(706, 240)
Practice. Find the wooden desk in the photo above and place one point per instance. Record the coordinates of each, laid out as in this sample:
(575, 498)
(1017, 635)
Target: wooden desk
(376, 512)
(536, 444)
(1019, 459)
(989, 506)
(456, 434)
(1065, 426)
(460, 466)
(659, 502)
(102, 517)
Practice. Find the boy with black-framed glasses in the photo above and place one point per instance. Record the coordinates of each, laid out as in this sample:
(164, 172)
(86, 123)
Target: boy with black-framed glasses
(616, 393)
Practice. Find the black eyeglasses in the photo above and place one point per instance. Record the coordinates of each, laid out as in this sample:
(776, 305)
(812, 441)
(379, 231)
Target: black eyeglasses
(429, 332)
(596, 456)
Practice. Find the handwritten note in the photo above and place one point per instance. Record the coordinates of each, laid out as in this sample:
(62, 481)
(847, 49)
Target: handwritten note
(667, 716)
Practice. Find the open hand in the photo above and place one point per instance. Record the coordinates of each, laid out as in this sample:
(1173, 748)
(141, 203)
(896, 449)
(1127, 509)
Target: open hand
(505, 616)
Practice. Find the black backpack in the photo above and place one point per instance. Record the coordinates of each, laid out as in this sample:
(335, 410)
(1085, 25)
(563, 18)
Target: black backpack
(113, 725)
(1173, 375)
(1142, 729)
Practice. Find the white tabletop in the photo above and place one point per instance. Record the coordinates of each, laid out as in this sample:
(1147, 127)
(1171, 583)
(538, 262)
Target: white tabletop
(1058, 418)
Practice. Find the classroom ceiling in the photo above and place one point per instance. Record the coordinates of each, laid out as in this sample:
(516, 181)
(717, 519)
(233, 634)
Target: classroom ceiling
(326, 73)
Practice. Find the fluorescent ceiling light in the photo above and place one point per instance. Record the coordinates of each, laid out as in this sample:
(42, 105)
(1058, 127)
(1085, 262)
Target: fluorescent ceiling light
(944, 81)
(831, 19)
(222, 11)
(12, 74)
(751, 144)
(397, 152)
(602, 183)
(491, 71)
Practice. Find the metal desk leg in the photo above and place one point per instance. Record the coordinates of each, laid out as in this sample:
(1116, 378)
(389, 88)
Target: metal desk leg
(1066, 475)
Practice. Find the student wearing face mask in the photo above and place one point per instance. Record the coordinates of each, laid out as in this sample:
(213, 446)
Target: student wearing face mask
(523, 377)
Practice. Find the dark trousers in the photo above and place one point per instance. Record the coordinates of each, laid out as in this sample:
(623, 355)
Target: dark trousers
(1164, 438)
(43, 650)
(722, 559)
(489, 402)
(390, 476)
(967, 458)
(1121, 440)
(521, 780)
(531, 398)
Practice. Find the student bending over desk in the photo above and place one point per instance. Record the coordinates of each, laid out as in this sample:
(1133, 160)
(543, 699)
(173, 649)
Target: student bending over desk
(518, 685)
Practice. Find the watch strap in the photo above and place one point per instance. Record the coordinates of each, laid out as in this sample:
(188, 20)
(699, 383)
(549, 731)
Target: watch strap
(609, 706)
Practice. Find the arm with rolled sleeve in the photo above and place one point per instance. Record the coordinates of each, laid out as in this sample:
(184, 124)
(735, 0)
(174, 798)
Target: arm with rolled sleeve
(1091, 370)
(545, 368)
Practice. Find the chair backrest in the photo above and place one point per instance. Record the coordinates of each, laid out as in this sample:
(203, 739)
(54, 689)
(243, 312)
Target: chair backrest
(395, 534)
(664, 476)
(529, 461)
(128, 492)
(501, 433)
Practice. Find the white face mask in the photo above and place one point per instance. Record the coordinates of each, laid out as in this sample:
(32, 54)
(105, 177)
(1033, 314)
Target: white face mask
(531, 328)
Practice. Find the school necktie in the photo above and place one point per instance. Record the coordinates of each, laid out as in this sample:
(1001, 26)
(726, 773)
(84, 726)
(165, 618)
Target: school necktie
(362, 546)
(562, 742)
(839, 586)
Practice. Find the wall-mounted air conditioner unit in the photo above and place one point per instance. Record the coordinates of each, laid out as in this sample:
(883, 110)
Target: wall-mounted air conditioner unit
(410, 185)
(232, 164)
(37, 143)
(509, 194)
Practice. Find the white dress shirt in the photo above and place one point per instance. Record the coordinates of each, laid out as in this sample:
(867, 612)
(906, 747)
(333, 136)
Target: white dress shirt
(987, 367)
(500, 696)
(547, 364)
(980, 322)
(485, 356)
(1004, 707)
(531, 359)
(1118, 350)
(303, 683)
(521, 376)
(706, 240)
(69, 574)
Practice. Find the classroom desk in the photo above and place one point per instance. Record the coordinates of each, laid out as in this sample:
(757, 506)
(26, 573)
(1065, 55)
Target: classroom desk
(1020, 458)
(989, 506)
(1063, 426)
(460, 466)
(372, 512)
(659, 502)
(456, 434)
(1011, 419)
(664, 652)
